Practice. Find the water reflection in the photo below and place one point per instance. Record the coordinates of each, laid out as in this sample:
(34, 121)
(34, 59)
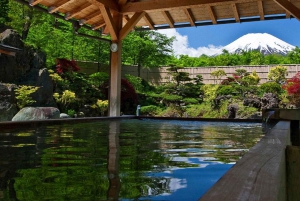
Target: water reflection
(120, 160)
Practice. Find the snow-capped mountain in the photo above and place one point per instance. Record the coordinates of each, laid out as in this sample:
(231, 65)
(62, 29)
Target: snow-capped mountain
(265, 43)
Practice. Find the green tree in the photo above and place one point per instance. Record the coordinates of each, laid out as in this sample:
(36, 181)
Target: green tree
(294, 56)
(218, 73)
(278, 74)
(4, 11)
(146, 49)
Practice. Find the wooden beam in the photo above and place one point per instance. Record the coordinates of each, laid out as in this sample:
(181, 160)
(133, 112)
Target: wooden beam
(107, 3)
(261, 10)
(289, 7)
(92, 17)
(60, 5)
(122, 2)
(164, 4)
(129, 25)
(235, 12)
(98, 26)
(288, 14)
(110, 24)
(35, 2)
(8, 52)
(212, 15)
(79, 9)
(168, 18)
(126, 17)
(149, 21)
(190, 16)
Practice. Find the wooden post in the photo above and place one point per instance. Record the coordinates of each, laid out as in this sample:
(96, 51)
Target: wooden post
(115, 82)
(293, 169)
(295, 137)
(115, 71)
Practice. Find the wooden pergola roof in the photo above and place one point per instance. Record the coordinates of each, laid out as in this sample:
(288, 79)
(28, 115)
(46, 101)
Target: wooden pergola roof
(158, 14)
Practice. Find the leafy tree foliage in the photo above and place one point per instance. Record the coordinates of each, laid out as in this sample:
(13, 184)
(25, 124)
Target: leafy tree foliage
(146, 49)
(4, 11)
(278, 74)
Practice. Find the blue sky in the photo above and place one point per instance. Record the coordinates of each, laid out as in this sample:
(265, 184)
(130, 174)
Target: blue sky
(195, 41)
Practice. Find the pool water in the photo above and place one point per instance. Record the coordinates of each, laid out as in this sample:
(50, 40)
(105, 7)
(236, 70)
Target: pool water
(120, 159)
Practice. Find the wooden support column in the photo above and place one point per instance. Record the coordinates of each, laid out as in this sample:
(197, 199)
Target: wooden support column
(115, 69)
(115, 82)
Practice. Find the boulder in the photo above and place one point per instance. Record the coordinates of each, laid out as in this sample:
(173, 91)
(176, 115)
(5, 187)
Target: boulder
(37, 113)
(8, 105)
(232, 111)
(14, 68)
(269, 100)
(64, 116)
(252, 102)
(40, 78)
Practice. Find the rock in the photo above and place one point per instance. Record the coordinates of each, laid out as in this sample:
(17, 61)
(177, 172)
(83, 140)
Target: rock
(232, 110)
(12, 38)
(64, 115)
(252, 102)
(8, 105)
(44, 95)
(37, 113)
(13, 68)
(269, 100)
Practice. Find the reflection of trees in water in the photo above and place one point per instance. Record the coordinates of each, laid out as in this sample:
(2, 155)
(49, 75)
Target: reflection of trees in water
(83, 162)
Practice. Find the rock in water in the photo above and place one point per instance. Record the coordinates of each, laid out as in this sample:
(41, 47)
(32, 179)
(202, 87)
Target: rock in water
(37, 113)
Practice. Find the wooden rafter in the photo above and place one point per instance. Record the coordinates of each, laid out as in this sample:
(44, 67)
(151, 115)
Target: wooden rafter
(288, 14)
(98, 26)
(235, 12)
(107, 3)
(261, 10)
(164, 4)
(126, 17)
(212, 14)
(35, 2)
(168, 18)
(60, 5)
(149, 21)
(122, 2)
(79, 9)
(130, 24)
(110, 24)
(289, 7)
(190, 16)
(91, 17)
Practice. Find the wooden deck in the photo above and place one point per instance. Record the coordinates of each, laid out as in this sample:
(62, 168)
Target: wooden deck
(268, 172)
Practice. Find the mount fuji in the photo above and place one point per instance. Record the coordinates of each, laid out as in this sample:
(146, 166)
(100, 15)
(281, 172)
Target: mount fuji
(263, 42)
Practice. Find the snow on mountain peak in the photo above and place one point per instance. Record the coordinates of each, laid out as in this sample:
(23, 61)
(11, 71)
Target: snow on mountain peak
(264, 42)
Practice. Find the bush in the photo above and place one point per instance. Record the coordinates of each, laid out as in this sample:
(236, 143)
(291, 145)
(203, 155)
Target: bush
(270, 87)
(225, 90)
(97, 79)
(151, 110)
(23, 95)
(189, 101)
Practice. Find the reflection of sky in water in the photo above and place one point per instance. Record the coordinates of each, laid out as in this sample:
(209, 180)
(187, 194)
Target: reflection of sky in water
(184, 184)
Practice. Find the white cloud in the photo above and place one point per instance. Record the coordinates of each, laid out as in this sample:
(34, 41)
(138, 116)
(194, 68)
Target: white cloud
(181, 45)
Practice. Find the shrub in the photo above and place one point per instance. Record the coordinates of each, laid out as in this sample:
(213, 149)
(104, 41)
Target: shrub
(278, 74)
(23, 95)
(293, 89)
(225, 90)
(135, 81)
(102, 105)
(151, 110)
(270, 87)
(97, 79)
(189, 101)
(71, 113)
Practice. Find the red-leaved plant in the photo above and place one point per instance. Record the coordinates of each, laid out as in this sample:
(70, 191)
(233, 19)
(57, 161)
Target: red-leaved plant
(63, 65)
(292, 86)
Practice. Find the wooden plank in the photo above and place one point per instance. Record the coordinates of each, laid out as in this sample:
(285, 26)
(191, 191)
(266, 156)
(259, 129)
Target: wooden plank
(212, 15)
(261, 10)
(260, 174)
(33, 3)
(110, 24)
(235, 12)
(129, 25)
(293, 170)
(168, 18)
(149, 21)
(60, 5)
(107, 3)
(289, 7)
(190, 16)
(79, 9)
